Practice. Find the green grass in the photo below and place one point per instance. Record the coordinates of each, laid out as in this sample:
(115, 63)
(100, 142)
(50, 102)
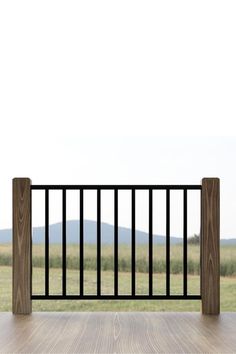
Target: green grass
(228, 258)
(228, 278)
(228, 292)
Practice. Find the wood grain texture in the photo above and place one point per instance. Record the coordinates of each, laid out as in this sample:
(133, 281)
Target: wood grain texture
(117, 332)
(210, 246)
(22, 244)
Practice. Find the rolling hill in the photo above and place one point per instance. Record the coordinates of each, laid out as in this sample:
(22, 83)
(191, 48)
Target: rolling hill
(90, 234)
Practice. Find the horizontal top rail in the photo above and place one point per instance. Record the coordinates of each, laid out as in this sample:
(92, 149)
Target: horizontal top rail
(116, 186)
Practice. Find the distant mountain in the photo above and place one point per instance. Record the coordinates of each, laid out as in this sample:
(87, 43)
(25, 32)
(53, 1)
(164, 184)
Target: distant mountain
(228, 242)
(90, 234)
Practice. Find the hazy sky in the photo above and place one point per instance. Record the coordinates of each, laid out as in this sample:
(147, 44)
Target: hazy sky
(131, 160)
(122, 91)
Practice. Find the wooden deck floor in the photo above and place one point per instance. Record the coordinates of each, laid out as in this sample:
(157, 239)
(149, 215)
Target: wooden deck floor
(111, 332)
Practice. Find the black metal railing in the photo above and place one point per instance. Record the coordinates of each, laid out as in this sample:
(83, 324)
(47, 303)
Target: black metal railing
(116, 295)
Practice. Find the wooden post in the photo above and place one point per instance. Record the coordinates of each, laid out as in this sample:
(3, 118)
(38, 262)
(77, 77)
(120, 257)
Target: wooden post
(22, 244)
(210, 246)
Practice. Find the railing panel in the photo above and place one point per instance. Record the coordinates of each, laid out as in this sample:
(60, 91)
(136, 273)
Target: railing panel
(206, 216)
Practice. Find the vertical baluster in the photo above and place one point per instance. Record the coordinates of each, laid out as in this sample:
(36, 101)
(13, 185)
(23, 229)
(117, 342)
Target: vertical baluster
(64, 242)
(81, 246)
(167, 242)
(185, 232)
(116, 242)
(98, 242)
(46, 242)
(150, 244)
(133, 242)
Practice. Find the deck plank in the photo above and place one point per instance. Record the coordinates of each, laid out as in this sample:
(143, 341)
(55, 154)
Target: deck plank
(117, 332)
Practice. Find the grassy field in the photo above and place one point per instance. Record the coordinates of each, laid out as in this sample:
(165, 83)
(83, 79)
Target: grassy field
(228, 292)
(228, 278)
(228, 258)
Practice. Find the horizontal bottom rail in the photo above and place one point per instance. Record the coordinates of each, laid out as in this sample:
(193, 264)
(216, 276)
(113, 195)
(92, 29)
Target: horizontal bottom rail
(118, 297)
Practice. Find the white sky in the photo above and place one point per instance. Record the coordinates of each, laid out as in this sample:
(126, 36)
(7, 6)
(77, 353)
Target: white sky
(118, 92)
(137, 160)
